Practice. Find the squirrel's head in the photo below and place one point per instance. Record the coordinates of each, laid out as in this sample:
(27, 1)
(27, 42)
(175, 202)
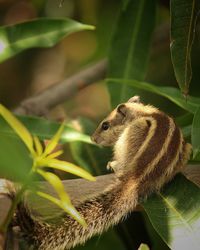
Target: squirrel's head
(109, 130)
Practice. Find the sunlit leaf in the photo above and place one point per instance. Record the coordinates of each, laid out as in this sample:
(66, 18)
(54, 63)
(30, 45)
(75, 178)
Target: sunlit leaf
(55, 154)
(68, 208)
(173, 94)
(54, 141)
(38, 145)
(129, 49)
(175, 214)
(195, 134)
(183, 21)
(43, 32)
(55, 181)
(68, 167)
(18, 127)
(143, 247)
(74, 213)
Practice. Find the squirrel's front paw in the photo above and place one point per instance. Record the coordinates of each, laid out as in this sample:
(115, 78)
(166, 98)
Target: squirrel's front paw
(111, 165)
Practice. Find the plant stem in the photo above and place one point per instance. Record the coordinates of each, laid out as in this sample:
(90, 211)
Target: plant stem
(9, 216)
(4, 225)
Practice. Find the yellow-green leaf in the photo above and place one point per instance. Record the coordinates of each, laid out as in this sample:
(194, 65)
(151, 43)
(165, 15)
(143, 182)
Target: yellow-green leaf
(74, 214)
(54, 141)
(55, 181)
(143, 247)
(68, 208)
(70, 168)
(18, 127)
(38, 145)
(54, 155)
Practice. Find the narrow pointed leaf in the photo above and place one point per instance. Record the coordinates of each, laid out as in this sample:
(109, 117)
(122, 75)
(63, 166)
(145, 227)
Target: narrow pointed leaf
(49, 197)
(56, 183)
(195, 134)
(65, 206)
(173, 94)
(43, 32)
(183, 23)
(18, 127)
(54, 155)
(70, 168)
(38, 145)
(130, 45)
(54, 141)
(74, 214)
(175, 214)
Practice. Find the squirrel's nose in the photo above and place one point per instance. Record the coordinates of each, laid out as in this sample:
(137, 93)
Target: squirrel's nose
(93, 139)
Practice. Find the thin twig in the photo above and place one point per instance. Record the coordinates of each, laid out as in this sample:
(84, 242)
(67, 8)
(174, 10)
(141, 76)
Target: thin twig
(40, 104)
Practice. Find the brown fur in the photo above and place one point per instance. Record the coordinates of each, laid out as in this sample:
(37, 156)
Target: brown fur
(148, 151)
(155, 145)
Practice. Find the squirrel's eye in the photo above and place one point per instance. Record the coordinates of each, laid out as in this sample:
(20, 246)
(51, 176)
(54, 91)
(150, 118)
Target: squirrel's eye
(105, 125)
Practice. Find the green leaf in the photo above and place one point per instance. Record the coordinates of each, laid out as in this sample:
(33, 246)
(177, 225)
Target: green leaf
(77, 151)
(130, 45)
(186, 131)
(55, 154)
(173, 94)
(184, 120)
(45, 129)
(195, 134)
(43, 32)
(197, 158)
(67, 207)
(38, 145)
(183, 22)
(68, 167)
(107, 241)
(175, 214)
(15, 161)
(55, 181)
(17, 127)
(54, 141)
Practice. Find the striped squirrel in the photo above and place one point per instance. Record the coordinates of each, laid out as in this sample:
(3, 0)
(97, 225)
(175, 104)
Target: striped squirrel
(149, 150)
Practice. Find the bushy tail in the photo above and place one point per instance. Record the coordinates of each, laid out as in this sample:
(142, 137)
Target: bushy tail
(100, 213)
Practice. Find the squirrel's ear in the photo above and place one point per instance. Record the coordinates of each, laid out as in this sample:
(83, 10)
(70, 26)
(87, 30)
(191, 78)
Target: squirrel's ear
(122, 109)
(135, 99)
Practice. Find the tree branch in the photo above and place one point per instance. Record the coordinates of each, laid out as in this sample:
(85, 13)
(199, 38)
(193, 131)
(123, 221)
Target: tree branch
(40, 104)
(78, 189)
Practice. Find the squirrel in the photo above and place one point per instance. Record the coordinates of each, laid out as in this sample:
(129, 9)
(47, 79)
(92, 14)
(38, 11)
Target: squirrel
(149, 149)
